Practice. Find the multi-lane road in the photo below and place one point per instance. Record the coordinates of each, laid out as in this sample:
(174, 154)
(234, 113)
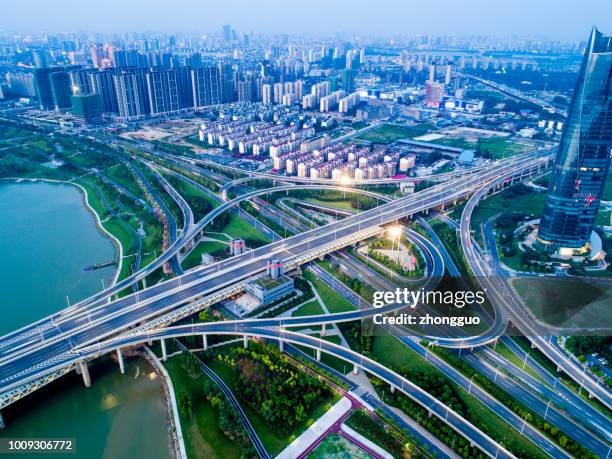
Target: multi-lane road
(44, 354)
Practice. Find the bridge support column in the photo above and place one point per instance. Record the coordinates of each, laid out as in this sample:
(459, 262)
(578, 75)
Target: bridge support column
(205, 342)
(245, 342)
(429, 413)
(355, 369)
(318, 355)
(164, 350)
(323, 331)
(281, 345)
(392, 389)
(121, 362)
(85, 373)
(2, 425)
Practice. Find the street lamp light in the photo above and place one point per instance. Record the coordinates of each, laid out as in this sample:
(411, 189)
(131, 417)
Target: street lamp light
(395, 233)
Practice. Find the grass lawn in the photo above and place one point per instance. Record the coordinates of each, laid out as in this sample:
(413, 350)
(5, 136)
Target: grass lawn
(122, 175)
(451, 241)
(501, 147)
(388, 133)
(337, 364)
(41, 144)
(10, 132)
(195, 256)
(567, 302)
(341, 205)
(238, 228)
(310, 308)
(506, 353)
(391, 352)
(203, 438)
(333, 301)
(498, 428)
(93, 197)
(272, 442)
(191, 194)
(504, 202)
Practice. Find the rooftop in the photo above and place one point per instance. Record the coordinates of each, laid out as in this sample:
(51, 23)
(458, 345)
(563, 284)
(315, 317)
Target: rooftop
(268, 283)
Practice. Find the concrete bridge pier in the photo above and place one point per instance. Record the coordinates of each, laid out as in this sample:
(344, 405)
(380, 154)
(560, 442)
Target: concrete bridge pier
(245, 342)
(392, 389)
(164, 350)
(281, 345)
(205, 342)
(318, 355)
(355, 369)
(85, 373)
(121, 362)
(2, 425)
(323, 330)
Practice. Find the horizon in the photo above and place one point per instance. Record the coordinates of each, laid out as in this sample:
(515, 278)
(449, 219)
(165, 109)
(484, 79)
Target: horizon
(545, 20)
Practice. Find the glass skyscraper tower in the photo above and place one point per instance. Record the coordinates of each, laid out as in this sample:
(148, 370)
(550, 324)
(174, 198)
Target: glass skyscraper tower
(583, 159)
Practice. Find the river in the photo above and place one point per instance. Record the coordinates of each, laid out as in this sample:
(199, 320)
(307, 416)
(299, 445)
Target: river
(47, 237)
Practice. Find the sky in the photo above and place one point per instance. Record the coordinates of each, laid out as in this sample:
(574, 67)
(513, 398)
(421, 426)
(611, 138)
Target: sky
(561, 19)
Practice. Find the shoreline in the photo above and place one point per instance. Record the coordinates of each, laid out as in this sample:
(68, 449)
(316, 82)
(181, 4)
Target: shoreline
(89, 208)
(175, 431)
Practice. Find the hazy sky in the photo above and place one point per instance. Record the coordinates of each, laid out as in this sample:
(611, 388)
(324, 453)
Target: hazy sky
(560, 19)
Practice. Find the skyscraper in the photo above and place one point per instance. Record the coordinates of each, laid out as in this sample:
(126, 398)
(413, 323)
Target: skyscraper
(87, 107)
(348, 80)
(102, 83)
(80, 83)
(212, 84)
(162, 92)
(43, 87)
(60, 90)
(227, 33)
(267, 94)
(129, 101)
(583, 159)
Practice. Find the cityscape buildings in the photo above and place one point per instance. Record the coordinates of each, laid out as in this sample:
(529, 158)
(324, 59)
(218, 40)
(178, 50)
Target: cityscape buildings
(225, 241)
(583, 159)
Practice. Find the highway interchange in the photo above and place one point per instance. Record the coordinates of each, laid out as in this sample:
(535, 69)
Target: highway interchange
(99, 325)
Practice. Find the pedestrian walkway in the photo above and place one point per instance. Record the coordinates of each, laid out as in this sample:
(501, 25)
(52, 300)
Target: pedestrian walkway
(317, 430)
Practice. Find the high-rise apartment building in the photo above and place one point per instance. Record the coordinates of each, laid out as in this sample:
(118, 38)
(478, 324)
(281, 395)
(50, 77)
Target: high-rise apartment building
(266, 94)
(162, 92)
(42, 84)
(102, 83)
(212, 84)
(129, 101)
(60, 90)
(583, 158)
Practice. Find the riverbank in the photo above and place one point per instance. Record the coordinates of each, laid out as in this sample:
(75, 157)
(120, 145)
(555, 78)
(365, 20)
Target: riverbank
(175, 432)
(90, 209)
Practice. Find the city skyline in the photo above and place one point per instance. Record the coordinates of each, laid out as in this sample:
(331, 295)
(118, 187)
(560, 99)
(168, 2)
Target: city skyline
(565, 20)
(302, 243)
